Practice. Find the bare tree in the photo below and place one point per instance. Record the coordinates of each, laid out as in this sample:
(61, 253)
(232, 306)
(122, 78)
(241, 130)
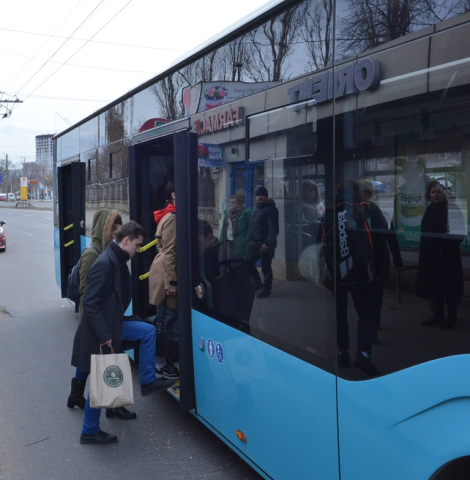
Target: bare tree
(317, 33)
(168, 94)
(233, 60)
(370, 23)
(273, 43)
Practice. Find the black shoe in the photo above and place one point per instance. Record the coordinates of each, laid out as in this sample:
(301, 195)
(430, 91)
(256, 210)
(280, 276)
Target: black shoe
(100, 438)
(120, 412)
(169, 370)
(266, 292)
(156, 386)
(343, 360)
(76, 401)
(365, 364)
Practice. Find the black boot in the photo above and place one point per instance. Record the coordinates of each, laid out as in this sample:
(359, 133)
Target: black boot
(120, 412)
(76, 398)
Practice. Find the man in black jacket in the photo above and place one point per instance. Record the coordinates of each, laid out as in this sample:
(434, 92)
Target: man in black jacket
(262, 241)
(107, 295)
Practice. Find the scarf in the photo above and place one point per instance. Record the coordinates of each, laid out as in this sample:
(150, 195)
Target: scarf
(233, 215)
(159, 214)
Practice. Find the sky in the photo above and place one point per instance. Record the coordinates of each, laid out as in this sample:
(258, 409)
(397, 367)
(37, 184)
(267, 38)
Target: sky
(67, 59)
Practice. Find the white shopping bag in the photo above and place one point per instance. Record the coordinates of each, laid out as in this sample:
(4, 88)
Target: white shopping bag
(110, 381)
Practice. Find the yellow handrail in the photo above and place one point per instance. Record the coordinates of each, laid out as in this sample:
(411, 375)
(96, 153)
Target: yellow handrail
(68, 227)
(68, 244)
(150, 244)
(144, 276)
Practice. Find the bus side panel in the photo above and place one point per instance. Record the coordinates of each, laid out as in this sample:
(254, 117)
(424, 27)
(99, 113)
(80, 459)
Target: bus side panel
(284, 406)
(407, 424)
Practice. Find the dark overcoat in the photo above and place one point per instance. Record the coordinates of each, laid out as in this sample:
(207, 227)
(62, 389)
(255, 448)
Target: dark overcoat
(265, 224)
(108, 293)
(440, 274)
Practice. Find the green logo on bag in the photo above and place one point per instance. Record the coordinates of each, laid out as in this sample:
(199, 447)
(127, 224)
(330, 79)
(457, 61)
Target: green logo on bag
(113, 376)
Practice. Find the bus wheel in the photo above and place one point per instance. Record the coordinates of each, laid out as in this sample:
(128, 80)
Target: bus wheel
(458, 469)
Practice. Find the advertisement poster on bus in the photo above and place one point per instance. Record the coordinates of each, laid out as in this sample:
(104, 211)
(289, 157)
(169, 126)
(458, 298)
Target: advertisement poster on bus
(210, 155)
(206, 95)
(440, 163)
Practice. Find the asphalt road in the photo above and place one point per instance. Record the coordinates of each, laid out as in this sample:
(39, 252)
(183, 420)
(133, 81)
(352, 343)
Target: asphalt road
(39, 435)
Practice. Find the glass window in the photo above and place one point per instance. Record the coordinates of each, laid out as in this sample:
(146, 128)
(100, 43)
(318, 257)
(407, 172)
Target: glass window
(70, 145)
(89, 135)
(400, 175)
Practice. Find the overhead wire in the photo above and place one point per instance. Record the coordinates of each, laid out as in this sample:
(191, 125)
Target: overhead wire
(45, 63)
(93, 41)
(86, 43)
(40, 48)
(75, 65)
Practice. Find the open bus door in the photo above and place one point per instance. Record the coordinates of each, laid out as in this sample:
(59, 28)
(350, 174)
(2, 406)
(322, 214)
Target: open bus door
(71, 203)
(152, 164)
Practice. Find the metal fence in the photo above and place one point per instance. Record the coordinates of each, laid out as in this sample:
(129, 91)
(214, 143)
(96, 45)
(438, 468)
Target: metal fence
(108, 195)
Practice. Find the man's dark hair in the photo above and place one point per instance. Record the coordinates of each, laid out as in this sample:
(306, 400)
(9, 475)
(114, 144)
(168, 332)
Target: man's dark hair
(204, 227)
(169, 189)
(132, 230)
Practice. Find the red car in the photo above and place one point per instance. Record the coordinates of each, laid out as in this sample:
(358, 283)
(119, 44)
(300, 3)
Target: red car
(3, 238)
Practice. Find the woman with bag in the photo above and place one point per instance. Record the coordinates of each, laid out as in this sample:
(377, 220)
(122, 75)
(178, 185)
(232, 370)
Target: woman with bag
(163, 283)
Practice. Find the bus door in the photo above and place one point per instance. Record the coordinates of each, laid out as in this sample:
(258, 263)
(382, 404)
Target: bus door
(152, 164)
(71, 210)
(264, 367)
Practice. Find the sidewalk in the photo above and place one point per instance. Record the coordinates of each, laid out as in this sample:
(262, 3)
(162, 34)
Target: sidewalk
(36, 204)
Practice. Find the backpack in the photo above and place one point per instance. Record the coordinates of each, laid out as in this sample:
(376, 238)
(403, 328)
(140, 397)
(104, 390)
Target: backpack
(347, 226)
(73, 280)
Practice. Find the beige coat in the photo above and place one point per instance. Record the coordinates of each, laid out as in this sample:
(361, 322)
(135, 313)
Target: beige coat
(162, 275)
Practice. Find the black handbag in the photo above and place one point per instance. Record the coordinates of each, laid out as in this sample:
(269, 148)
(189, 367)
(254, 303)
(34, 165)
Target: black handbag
(166, 324)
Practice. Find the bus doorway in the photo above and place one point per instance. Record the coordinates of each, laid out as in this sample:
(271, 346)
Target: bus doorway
(71, 213)
(152, 164)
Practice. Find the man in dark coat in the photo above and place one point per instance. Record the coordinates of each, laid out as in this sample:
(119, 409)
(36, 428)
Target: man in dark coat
(262, 241)
(107, 295)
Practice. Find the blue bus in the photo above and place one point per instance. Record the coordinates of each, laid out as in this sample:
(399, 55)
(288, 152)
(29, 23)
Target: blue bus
(307, 101)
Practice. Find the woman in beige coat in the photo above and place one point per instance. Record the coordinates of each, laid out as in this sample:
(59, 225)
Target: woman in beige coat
(163, 283)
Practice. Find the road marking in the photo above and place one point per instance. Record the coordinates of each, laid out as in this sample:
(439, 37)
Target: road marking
(26, 233)
(48, 218)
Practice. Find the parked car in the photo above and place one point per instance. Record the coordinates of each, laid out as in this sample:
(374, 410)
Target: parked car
(3, 238)
(11, 197)
(18, 197)
(380, 187)
(3, 197)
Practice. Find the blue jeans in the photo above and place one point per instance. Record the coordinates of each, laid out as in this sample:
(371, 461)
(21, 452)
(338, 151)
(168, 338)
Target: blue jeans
(131, 331)
(91, 419)
(147, 334)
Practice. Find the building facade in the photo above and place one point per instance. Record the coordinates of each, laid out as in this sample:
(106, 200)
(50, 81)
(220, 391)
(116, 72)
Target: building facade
(44, 150)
